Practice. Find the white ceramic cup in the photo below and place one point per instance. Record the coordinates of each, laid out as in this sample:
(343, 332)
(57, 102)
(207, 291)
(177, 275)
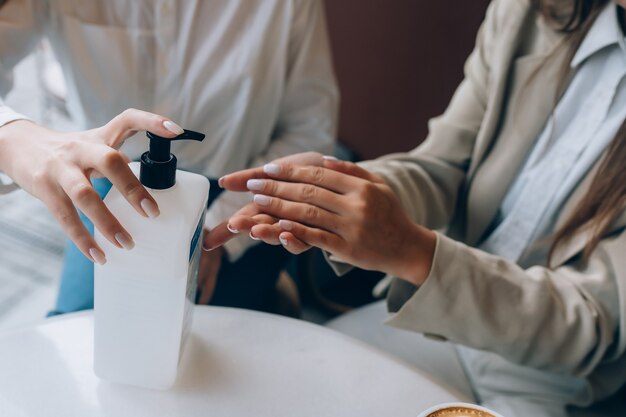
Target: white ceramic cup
(458, 410)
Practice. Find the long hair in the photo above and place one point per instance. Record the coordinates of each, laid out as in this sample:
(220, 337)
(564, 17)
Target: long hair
(607, 193)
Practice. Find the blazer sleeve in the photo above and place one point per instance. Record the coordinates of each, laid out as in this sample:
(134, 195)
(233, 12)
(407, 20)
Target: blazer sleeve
(569, 319)
(427, 179)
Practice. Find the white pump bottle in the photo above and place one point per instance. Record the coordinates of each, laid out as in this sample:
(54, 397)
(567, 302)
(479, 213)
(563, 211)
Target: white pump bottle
(144, 298)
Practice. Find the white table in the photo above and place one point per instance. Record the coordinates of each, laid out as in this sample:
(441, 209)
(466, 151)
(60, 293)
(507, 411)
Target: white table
(236, 363)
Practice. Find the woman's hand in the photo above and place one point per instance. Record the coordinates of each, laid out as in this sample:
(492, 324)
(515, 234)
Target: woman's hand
(56, 167)
(345, 210)
(248, 216)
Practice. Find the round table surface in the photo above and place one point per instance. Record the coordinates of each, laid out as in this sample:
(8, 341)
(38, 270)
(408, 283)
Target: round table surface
(236, 363)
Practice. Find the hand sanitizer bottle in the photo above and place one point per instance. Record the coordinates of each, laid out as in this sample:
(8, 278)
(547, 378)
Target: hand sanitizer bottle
(144, 298)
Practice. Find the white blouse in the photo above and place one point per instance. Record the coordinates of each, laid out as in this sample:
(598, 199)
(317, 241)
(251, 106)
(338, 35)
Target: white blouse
(254, 75)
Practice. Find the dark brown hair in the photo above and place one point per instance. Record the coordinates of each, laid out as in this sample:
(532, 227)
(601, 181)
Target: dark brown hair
(607, 193)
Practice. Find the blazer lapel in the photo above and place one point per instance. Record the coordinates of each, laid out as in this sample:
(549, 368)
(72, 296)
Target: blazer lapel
(533, 92)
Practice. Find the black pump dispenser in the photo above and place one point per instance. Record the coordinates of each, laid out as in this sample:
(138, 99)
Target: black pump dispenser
(158, 165)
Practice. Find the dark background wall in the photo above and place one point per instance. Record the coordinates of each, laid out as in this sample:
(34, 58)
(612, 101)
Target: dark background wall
(398, 63)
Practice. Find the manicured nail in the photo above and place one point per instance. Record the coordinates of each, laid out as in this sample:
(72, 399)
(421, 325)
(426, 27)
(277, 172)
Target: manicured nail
(126, 241)
(232, 229)
(98, 256)
(173, 127)
(150, 208)
(272, 169)
(255, 184)
(262, 200)
(283, 241)
(329, 158)
(206, 248)
(285, 224)
(220, 182)
(254, 237)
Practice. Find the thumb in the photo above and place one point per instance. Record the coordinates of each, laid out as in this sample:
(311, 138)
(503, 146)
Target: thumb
(127, 123)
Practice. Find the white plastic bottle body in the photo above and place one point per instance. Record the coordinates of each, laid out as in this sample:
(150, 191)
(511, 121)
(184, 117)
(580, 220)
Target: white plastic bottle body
(143, 298)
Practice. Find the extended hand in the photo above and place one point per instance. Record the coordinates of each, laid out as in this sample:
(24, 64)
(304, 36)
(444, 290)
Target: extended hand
(345, 210)
(247, 217)
(56, 166)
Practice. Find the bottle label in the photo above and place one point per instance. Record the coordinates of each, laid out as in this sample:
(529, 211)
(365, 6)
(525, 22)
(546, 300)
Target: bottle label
(195, 251)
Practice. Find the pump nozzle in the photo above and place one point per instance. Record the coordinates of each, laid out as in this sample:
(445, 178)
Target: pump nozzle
(158, 165)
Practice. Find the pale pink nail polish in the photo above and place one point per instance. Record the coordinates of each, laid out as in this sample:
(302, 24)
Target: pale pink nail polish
(272, 169)
(150, 208)
(173, 127)
(125, 241)
(98, 256)
(262, 200)
(285, 224)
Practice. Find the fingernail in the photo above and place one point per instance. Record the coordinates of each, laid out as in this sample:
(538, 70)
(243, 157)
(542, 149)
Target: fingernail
(98, 256)
(272, 169)
(329, 158)
(173, 127)
(232, 229)
(150, 208)
(254, 237)
(283, 241)
(220, 182)
(206, 248)
(255, 184)
(285, 224)
(126, 241)
(262, 200)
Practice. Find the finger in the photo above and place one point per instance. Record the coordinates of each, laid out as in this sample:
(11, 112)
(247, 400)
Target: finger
(217, 237)
(292, 243)
(222, 233)
(237, 180)
(310, 236)
(78, 188)
(268, 233)
(111, 164)
(322, 177)
(212, 269)
(300, 212)
(65, 213)
(243, 224)
(127, 123)
(303, 193)
(351, 168)
(203, 269)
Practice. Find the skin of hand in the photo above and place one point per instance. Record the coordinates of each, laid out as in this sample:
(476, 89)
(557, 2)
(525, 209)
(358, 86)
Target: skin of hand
(244, 219)
(340, 208)
(56, 168)
(210, 263)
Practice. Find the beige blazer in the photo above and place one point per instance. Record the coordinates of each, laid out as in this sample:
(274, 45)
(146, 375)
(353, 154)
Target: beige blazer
(571, 318)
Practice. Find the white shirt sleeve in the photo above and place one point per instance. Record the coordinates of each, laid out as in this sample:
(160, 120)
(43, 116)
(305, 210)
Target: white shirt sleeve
(20, 30)
(308, 114)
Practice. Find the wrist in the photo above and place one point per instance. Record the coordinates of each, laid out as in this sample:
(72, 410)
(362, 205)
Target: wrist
(418, 257)
(10, 134)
